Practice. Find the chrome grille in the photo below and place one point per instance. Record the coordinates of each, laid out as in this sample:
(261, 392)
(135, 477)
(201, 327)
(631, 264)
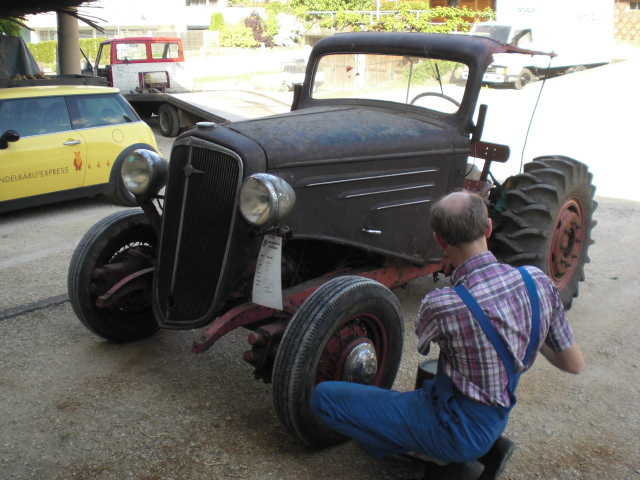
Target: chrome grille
(199, 213)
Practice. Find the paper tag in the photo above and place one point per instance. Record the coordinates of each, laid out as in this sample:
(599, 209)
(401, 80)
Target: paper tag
(267, 285)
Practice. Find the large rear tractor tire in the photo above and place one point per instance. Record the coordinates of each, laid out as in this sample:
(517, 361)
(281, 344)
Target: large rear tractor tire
(350, 329)
(545, 218)
(113, 249)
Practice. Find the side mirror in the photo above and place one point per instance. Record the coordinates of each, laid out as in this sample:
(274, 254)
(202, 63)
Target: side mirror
(8, 136)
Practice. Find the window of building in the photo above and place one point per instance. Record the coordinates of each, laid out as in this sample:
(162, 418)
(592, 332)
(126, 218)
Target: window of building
(46, 35)
(634, 5)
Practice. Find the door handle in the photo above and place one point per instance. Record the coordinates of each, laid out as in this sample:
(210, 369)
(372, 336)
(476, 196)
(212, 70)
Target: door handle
(72, 142)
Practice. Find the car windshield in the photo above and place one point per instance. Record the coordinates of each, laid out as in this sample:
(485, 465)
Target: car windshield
(496, 32)
(425, 82)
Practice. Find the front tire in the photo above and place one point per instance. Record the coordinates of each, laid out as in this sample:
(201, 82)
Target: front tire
(340, 331)
(118, 245)
(524, 79)
(547, 221)
(169, 120)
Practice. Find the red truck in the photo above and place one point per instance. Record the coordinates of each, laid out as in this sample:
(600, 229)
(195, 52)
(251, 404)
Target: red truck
(150, 71)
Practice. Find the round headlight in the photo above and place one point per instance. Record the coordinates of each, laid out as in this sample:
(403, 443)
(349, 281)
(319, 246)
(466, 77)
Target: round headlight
(144, 172)
(265, 199)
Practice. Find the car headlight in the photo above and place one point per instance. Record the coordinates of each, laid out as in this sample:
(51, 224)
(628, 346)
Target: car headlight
(144, 172)
(265, 199)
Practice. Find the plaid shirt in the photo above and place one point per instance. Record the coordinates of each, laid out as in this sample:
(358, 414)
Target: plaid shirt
(469, 358)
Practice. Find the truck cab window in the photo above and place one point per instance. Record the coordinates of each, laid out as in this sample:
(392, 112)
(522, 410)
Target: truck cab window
(499, 33)
(127, 52)
(164, 51)
(522, 38)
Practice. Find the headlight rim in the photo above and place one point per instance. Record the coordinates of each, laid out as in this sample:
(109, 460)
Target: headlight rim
(281, 199)
(156, 172)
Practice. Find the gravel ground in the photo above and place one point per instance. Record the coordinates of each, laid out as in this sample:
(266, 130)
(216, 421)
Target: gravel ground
(74, 407)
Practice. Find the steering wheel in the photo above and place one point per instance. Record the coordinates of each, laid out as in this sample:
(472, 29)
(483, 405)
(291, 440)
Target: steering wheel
(435, 94)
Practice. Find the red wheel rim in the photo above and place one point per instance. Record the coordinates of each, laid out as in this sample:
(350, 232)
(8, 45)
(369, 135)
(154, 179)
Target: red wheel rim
(566, 243)
(358, 329)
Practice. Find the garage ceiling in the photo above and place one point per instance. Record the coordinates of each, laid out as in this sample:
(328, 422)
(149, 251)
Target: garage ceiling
(16, 10)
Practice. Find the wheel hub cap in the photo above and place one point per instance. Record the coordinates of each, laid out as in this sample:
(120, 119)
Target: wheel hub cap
(566, 243)
(361, 362)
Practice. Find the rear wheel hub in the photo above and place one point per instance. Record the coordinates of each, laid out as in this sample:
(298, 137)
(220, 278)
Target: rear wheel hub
(566, 243)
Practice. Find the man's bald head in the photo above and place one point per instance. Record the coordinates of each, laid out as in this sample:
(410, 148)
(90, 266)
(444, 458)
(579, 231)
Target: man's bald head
(459, 217)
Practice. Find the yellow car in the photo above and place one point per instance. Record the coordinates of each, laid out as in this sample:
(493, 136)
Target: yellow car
(64, 142)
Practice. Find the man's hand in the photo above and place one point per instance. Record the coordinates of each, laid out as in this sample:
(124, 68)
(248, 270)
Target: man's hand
(447, 266)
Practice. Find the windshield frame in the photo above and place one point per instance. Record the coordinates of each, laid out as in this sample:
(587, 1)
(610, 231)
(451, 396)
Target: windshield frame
(476, 52)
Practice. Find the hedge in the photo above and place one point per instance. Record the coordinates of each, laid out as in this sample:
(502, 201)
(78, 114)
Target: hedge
(46, 52)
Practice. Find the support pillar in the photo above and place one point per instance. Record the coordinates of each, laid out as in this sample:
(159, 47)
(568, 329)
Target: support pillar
(68, 45)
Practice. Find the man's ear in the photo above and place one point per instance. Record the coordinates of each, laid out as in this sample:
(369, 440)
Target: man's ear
(487, 232)
(442, 243)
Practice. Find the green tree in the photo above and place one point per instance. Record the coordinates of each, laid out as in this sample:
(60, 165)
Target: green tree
(10, 27)
(237, 35)
(216, 22)
(332, 5)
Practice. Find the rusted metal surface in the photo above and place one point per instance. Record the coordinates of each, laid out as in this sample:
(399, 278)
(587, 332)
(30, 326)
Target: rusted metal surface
(250, 313)
(245, 314)
(140, 280)
(264, 346)
(566, 242)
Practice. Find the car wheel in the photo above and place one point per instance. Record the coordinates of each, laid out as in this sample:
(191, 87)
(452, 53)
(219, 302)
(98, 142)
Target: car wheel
(117, 246)
(547, 221)
(525, 78)
(169, 120)
(350, 329)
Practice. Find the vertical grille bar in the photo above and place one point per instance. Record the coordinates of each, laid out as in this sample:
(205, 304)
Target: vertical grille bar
(199, 212)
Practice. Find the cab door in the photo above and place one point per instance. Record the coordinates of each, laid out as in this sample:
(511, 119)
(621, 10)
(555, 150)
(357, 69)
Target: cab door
(48, 157)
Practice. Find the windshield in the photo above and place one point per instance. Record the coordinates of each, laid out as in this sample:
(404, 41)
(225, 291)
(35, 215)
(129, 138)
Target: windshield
(496, 32)
(426, 82)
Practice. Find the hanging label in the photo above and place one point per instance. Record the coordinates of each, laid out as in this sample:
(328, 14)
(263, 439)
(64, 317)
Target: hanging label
(267, 285)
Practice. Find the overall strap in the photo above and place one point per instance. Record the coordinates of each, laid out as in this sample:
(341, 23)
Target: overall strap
(499, 344)
(489, 330)
(535, 314)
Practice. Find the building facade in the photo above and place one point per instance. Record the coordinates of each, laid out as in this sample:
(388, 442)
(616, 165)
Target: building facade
(627, 21)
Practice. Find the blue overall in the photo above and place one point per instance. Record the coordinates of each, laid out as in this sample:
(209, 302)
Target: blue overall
(436, 420)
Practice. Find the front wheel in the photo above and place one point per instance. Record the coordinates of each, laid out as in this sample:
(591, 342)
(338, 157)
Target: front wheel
(545, 219)
(114, 249)
(524, 78)
(169, 120)
(350, 329)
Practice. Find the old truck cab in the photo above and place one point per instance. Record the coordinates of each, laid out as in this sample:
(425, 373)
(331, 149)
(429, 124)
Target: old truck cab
(140, 64)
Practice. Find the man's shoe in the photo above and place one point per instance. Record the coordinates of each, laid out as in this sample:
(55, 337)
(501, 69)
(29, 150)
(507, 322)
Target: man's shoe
(453, 471)
(495, 460)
